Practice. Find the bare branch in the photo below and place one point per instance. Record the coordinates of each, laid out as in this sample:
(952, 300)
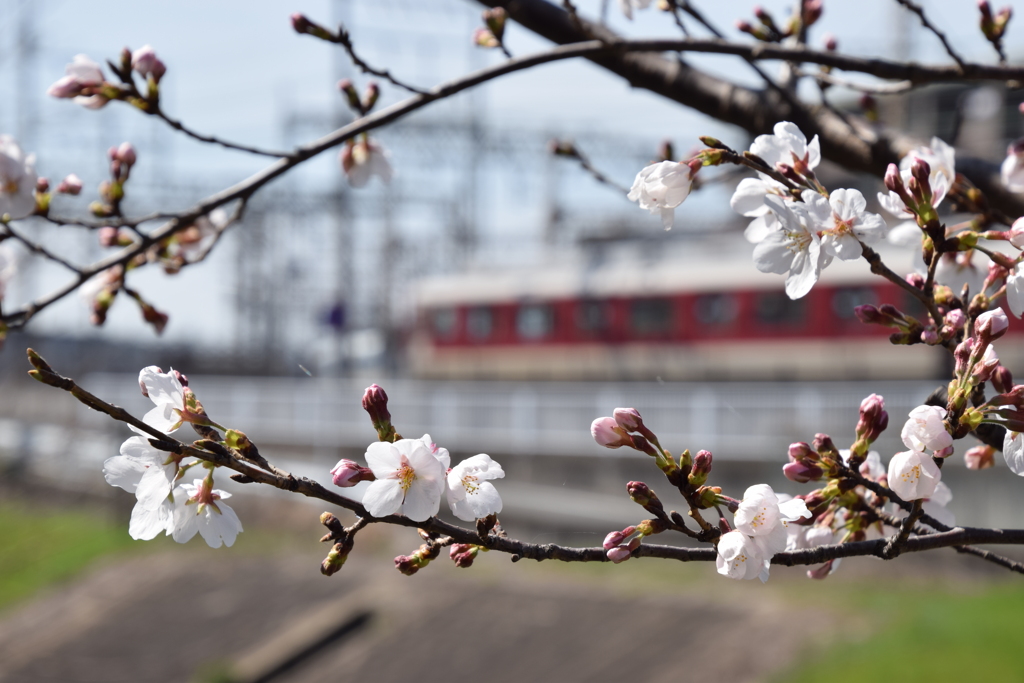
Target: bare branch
(344, 38)
(210, 139)
(40, 249)
(919, 11)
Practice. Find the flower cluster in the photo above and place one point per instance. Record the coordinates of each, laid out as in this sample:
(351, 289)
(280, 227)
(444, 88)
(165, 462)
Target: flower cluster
(165, 503)
(762, 523)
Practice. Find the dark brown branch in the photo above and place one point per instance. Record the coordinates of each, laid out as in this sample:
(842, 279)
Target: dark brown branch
(871, 149)
(40, 249)
(249, 473)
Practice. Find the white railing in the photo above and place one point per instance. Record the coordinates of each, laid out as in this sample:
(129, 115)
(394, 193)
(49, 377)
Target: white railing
(736, 421)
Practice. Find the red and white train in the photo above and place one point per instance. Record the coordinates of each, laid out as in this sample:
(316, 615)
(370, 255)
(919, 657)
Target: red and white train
(696, 311)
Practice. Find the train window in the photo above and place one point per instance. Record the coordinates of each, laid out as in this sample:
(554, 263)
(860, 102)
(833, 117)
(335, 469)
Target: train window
(534, 321)
(592, 316)
(844, 300)
(442, 322)
(479, 323)
(716, 309)
(651, 316)
(775, 308)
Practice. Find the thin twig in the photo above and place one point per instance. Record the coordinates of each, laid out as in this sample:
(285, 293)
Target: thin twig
(41, 250)
(600, 177)
(899, 539)
(344, 38)
(875, 89)
(919, 11)
(210, 139)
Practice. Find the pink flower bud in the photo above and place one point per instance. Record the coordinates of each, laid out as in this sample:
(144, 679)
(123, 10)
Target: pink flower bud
(145, 63)
(607, 432)
(701, 468)
(463, 554)
(1002, 380)
(991, 325)
(801, 452)
(300, 23)
(641, 494)
(618, 554)
(802, 472)
(126, 154)
(407, 564)
(955, 319)
(628, 418)
(821, 572)
(615, 538)
(66, 88)
(375, 402)
(71, 184)
(980, 458)
(962, 355)
(107, 236)
(831, 43)
(873, 418)
(916, 280)
(823, 444)
(42, 184)
(348, 473)
(930, 336)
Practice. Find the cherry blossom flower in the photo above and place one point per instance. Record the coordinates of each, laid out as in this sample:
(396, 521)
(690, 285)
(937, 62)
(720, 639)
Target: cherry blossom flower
(843, 222)
(789, 146)
(791, 247)
(166, 391)
(748, 200)
(470, 493)
(739, 557)
(627, 6)
(17, 180)
(146, 524)
(440, 453)
(8, 266)
(913, 475)
(1013, 452)
(1015, 291)
(142, 470)
(895, 205)
(936, 504)
(941, 159)
(924, 430)
(763, 517)
(1012, 168)
(83, 78)
(364, 159)
(194, 241)
(197, 510)
(661, 187)
(410, 480)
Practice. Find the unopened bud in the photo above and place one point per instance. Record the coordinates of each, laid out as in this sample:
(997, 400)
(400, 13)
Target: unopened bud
(628, 418)
(980, 457)
(375, 403)
(802, 472)
(1002, 379)
(408, 564)
(641, 494)
(238, 441)
(831, 42)
(300, 23)
(495, 19)
(991, 325)
(126, 154)
(873, 418)
(618, 554)
(71, 184)
(802, 452)
(336, 558)
(615, 538)
(607, 432)
(701, 468)
(347, 89)
(463, 554)
(348, 473)
(826, 449)
(371, 96)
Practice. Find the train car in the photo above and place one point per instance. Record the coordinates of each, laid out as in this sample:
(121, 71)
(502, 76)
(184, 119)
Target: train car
(696, 311)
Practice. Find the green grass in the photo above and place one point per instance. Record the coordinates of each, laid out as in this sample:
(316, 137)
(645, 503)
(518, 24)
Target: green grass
(923, 635)
(39, 547)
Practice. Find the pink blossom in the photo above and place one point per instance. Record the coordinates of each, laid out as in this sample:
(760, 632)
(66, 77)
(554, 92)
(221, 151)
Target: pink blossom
(607, 432)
